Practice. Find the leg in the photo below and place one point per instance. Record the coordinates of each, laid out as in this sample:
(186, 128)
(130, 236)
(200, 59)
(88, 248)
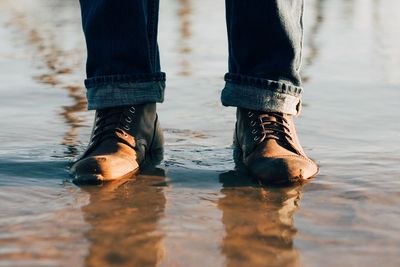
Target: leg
(123, 66)
(265, 45)
(123, 83)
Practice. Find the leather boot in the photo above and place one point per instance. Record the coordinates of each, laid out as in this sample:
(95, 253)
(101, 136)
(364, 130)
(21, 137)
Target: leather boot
(267, 144)
(122, 139)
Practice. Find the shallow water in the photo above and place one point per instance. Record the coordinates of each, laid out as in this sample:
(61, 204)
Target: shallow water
(194, 210)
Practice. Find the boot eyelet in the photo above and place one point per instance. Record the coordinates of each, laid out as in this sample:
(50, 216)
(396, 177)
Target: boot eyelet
(126, 127)
(252, 123)
(128, 119)
(254, 131)
(256, 138)
(250, 114)
(132, 110)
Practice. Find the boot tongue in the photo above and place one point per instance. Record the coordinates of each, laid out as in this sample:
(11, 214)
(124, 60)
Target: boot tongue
(108, 124)
(110, 118)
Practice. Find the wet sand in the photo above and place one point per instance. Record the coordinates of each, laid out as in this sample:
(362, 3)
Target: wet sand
(194, 210)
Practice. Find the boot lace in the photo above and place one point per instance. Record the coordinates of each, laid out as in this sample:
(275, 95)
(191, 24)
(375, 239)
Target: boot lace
(112, 120)
(269, 125)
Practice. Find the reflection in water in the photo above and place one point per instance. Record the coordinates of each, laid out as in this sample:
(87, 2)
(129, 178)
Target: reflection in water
(59, 67)
(348, 11)
(258, 223)
(352, 212)
(311, 42)
(184, 13)
(386, 53)
(124, 220)
(70, 115)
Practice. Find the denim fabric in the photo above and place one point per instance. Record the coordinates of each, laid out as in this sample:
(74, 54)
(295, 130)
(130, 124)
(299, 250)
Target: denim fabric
(123, 65)
(124, 90)
(265, 44)
(261, 94)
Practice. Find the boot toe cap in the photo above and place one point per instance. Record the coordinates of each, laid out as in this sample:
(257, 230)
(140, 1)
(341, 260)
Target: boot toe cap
(283, 169)
(97, 169)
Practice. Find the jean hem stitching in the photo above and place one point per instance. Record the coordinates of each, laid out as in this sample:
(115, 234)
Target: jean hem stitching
(124, 78)
(261, 83)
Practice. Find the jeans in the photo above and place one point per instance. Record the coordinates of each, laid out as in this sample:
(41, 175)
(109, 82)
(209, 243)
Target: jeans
(265, 44)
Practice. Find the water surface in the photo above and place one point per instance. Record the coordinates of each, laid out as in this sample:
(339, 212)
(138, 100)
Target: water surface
(194, 210)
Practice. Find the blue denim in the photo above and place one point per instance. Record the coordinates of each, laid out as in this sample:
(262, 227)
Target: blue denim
(265, 45)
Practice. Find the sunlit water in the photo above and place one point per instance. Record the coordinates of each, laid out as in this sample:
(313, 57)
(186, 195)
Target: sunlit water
(194, 210)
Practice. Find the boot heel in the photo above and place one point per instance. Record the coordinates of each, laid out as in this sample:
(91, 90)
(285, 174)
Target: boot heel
(155, 156)
(238, 156)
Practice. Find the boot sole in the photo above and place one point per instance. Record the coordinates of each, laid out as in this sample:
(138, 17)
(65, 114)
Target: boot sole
(96, 179)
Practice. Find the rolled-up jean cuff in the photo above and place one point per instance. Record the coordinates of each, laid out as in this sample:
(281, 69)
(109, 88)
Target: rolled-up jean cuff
(114, 91)
(261, 94)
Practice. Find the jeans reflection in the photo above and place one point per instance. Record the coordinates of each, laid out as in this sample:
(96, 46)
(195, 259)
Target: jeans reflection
(184, 13)
(258, 223)
(123, 218)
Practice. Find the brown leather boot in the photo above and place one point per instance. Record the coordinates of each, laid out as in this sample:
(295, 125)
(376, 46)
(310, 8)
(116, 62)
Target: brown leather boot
(267, 144)
(123, 138)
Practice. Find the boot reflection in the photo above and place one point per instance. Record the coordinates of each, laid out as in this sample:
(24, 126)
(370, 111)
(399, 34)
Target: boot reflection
(124, 217)
(258, 223)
